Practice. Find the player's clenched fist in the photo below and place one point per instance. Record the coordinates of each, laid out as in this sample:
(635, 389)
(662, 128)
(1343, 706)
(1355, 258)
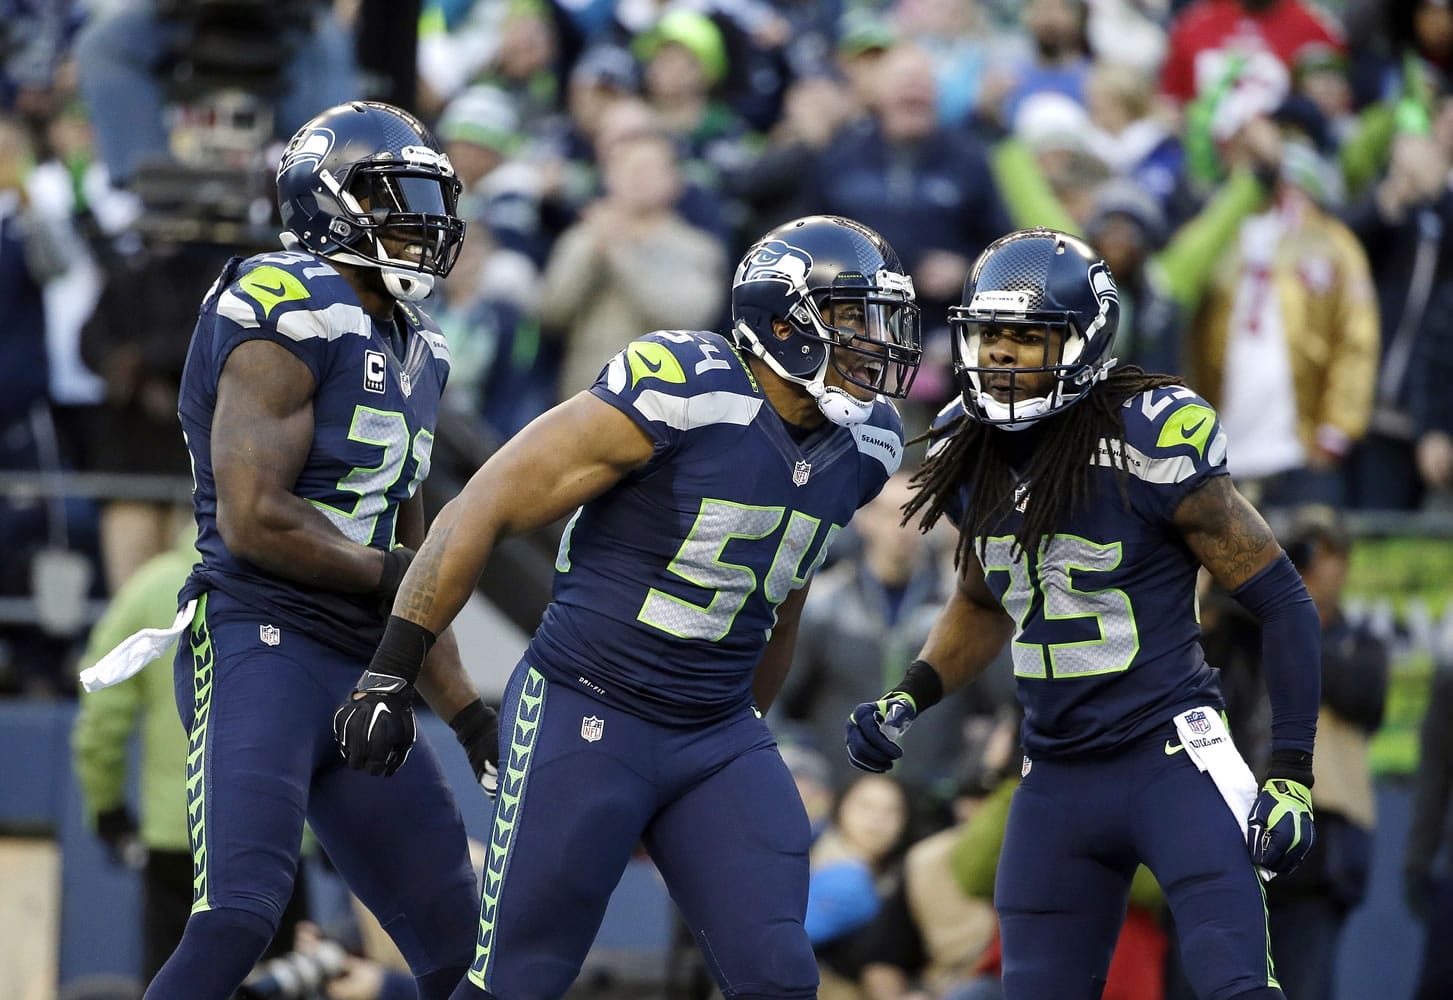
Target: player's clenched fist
(375, 727)
(874, 729)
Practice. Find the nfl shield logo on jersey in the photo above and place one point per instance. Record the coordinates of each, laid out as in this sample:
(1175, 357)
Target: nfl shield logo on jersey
(271, 635)
(591, 729)
(1198, 722)
(800, 472)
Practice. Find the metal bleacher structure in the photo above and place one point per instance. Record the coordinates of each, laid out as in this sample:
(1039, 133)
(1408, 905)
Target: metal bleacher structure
(91, 904)
(92, 948)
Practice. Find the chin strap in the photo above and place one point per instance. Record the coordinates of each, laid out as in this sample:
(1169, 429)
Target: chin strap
(402, 283)
(407, 286)
(839, 406)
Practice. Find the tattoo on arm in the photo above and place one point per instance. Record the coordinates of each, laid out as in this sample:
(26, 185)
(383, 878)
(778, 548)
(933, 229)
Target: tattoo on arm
(1226, 533)
(422, 585)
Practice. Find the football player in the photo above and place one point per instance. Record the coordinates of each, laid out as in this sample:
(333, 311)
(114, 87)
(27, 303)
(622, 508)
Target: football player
(708, 475)
(308, 401)
(1087, 498)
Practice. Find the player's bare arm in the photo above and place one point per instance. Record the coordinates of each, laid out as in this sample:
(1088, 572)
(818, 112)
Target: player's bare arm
(567, 456)
(262, 432)
(1226, 533)
(969, 631)
(776, 660)
(443, 683)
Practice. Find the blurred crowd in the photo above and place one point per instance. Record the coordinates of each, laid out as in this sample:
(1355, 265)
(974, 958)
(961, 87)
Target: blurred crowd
(1271, 182)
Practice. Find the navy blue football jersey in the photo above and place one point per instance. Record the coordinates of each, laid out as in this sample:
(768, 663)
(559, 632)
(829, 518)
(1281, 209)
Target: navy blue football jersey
(1107, 640)
(373, 426)
(667, 585)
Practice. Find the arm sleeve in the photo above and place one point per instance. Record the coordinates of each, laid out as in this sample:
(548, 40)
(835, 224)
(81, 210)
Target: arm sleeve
(1184, 263)
(1027, 194)
(1290, 652)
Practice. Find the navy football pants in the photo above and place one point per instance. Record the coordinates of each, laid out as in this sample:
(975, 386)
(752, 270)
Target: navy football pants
(263, 759)
(1077, 830)
(581, 784)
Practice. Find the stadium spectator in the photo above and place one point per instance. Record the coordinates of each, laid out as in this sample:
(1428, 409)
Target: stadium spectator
(1285, 344)
(47, 540)
(123, 51)
(684, 60)
(1208, 34)
(1162, 276)
(1427, 882)
(927, 189)
(1405, 223)
(631, 264)
(855, 865)
(136, 340)
(1058, 60)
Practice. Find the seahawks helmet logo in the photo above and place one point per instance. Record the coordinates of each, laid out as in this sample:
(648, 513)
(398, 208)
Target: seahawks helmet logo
(310, 149)
(776, 261)
(1102, 283)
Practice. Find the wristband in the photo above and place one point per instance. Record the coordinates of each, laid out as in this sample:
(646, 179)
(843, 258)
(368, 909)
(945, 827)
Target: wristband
(1293, 765)
(922, 684)
(402, 649)
(395, 564)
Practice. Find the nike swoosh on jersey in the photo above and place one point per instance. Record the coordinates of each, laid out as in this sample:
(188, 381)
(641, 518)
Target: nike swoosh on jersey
(1190, 432)
(279, 291)
(377, 710)
(655, 367)
(1173, 748)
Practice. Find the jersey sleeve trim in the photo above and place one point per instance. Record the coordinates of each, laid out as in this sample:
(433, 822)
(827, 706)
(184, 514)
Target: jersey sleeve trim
(880, 444)
(686, 413)
(336, 320)
(1167, 470)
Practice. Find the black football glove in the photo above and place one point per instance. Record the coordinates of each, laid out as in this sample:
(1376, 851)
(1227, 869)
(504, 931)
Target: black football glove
(375, 727)
(119, 833)
(477, 729)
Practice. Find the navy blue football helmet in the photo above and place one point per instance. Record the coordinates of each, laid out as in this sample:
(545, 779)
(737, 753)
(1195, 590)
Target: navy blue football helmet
(364, 173)
(1036, 278)
(810, 272)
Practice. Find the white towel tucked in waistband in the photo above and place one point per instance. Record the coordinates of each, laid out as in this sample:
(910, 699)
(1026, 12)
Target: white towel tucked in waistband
(1209, 745)
(135, 652)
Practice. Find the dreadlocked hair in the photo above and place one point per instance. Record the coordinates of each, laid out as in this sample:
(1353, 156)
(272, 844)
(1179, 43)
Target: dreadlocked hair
(966, 452)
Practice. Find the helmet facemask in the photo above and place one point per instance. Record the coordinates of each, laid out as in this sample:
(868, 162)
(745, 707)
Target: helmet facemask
(1071, 379)
(872, 329)
(400, 221)
(868, 332)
